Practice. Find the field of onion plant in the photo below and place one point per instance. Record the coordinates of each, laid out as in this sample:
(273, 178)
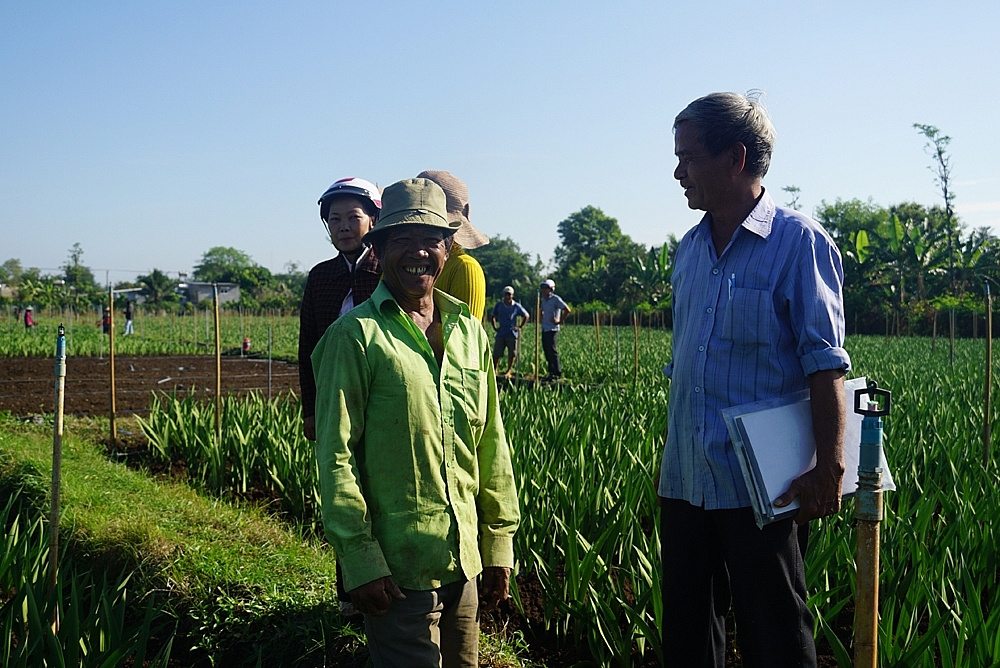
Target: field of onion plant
(155, 333)
(586, 452)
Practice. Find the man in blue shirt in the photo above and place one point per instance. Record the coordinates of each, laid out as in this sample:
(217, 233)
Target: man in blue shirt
(758, 313)
(505, 320)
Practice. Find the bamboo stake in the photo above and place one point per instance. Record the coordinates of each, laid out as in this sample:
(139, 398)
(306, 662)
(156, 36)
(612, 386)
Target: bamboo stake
(538, 325)
(987, 414)
(635, 332)
(597, 329)
(111, 361)
(934, 332)
(57, 434)
(218, 366)
(269, 342)
(951, 337)
(618, 354)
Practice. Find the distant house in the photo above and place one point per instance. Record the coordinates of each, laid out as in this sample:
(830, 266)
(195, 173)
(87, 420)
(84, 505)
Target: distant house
(198, 292)
(132, 294)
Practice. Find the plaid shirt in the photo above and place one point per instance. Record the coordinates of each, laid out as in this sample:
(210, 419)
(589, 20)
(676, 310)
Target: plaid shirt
(327, 287)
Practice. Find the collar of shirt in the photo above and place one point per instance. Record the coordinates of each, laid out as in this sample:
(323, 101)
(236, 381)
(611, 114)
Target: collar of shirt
(759, 221)
(450, 309)
(358, 260)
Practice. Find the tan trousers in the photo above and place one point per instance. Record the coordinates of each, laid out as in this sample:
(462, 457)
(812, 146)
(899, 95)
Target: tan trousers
(430, 629)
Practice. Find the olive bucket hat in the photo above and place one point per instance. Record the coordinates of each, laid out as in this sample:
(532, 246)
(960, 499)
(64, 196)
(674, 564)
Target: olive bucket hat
(413, 202)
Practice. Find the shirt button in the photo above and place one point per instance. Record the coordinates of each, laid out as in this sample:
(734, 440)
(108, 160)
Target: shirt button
(701, 349)
(708, 310)
(715, 271)
(697, 390)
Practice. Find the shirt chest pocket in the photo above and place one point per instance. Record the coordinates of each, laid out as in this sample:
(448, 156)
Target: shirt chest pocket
(749, 319)
(473, 399)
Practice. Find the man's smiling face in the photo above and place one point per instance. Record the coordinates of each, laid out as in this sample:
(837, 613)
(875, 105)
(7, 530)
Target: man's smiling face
(412, 258)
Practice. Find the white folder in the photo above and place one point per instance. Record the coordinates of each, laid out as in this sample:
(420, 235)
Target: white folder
(775, 444)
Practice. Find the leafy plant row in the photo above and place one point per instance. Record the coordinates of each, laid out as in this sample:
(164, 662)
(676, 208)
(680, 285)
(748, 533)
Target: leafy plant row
(85, 620)
(586, 454)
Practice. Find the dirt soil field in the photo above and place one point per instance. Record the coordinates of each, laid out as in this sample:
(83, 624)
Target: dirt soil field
(27, 383)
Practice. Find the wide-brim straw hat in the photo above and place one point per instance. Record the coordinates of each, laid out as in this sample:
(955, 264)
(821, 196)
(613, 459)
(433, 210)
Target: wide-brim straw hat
(457, 194)
(413, 202)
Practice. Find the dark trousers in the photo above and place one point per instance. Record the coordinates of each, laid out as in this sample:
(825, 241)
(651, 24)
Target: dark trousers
(714, 557)
(551, 354)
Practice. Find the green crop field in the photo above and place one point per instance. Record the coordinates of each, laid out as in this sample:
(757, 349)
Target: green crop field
(586, 452)
(154, 334)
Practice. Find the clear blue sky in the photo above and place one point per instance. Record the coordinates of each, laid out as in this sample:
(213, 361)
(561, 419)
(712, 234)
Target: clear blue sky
(150, 132)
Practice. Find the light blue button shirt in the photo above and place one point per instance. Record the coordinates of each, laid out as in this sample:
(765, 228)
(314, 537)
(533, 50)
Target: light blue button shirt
(752, 324)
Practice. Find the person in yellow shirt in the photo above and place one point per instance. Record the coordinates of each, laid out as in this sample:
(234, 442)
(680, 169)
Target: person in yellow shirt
(462, 277)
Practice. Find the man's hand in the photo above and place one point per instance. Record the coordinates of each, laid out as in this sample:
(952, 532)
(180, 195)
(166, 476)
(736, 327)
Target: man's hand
(493, 587)
(818, 492)
(375, 597)
(309, 427)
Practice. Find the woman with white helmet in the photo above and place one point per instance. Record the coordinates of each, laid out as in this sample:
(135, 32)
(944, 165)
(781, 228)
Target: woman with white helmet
(348, 209)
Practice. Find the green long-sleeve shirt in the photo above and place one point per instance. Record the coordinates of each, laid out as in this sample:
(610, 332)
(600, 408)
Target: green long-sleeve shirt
(415, 471)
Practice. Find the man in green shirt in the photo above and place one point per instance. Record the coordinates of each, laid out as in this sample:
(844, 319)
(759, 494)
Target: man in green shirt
(417, 486)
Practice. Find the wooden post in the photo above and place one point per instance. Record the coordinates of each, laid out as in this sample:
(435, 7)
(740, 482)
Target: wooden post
(218, 367)
(111, 361)
(987, 413)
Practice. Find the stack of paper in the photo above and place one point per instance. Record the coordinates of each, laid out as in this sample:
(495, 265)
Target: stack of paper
(775, 444)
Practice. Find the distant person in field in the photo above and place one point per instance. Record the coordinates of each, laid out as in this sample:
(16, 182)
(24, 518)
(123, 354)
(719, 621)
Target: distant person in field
(507, 319)
(106, 321)
(758, 313)
(129, 313)
(554, 311)
(29, 318)
(415, 472)
(463, 276)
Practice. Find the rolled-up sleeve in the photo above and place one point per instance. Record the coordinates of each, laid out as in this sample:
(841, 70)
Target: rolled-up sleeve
(815, 294)
(497, 504)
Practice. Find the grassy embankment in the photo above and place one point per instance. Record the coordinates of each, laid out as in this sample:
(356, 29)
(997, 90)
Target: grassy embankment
(242, 586)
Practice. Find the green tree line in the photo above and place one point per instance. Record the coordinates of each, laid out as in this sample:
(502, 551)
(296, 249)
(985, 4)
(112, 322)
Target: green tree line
(902, 264)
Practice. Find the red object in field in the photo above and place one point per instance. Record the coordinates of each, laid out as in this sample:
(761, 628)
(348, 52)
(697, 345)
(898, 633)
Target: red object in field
(246, 345)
